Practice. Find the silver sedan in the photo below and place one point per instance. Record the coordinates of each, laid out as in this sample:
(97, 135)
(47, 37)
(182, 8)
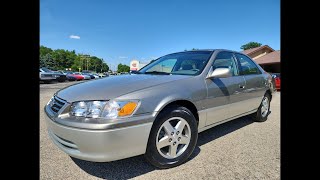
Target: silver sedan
(160, 110)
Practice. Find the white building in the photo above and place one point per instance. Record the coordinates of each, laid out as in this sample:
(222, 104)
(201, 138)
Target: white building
(136, 65)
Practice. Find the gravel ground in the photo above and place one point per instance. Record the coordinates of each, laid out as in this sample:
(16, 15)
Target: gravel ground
(240, 149)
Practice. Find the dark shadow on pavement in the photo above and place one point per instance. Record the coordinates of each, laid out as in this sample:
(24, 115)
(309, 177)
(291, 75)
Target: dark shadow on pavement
(136, 166)
(121, 169)
(223, 129)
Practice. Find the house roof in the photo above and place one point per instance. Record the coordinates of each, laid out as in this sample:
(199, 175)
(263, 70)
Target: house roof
(252, 50)
(272, 57)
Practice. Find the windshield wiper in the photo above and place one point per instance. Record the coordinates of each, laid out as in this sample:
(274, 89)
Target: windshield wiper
(157, 72)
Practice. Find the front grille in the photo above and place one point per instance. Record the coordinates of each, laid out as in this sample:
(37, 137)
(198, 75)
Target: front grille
(47, 75)
(56, 104)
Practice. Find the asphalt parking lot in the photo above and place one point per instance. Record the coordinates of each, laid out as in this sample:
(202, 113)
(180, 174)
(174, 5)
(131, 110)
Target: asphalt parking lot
(240, 149)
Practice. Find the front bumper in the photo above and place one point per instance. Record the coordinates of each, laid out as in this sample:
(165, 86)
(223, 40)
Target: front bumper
(47, 78)
(100, 145)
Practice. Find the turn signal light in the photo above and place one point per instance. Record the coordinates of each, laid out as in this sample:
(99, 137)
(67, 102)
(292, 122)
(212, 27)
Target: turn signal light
(127, 109)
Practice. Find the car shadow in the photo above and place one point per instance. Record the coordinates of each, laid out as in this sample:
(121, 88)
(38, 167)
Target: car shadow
(136, 166)
(223, 129)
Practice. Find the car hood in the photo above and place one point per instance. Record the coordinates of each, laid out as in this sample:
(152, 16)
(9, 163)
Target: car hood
(115, 86)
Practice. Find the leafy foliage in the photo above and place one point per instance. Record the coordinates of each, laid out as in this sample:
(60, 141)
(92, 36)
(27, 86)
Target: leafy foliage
(193, 49)
(61, 59)
(250, 45)
(47, 61)
(123, 68)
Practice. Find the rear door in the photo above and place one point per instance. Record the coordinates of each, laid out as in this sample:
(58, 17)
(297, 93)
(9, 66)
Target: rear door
(255, 83)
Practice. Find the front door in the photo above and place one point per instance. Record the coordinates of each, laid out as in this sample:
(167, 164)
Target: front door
(222, 91)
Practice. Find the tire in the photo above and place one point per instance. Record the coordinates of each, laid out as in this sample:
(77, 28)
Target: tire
(174, 116)
(262, 114)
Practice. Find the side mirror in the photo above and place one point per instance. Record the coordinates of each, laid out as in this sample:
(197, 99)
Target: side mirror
(220, 73)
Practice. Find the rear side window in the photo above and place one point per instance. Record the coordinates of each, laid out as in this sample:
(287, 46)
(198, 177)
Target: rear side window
(247, 66)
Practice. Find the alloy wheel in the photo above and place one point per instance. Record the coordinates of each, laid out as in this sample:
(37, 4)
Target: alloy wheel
(173, 137)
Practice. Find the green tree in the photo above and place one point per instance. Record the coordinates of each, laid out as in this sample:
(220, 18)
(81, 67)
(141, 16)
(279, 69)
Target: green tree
(60, 59)
(123, 68)
(44, 50)
(70, 58)
(250, 45)
(95, 63)
(77, 63)
(48, 62)
(193, 49)
(104, 68)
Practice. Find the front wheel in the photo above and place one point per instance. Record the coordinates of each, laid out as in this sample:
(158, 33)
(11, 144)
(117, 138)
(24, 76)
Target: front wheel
(173, 137)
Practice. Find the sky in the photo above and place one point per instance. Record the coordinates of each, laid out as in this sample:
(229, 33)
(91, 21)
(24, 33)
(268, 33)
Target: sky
(122, 30)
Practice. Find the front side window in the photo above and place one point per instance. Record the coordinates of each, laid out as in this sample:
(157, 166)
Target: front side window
(247, 66)
(225, 60)
(184, 63)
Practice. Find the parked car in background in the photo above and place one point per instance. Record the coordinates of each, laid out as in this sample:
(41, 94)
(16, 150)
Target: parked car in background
(88, 74)
(159, 111)
(273, 84)
(85, 77)
(62, 72)
(61, 77)
(72, 76)
(65, 72)
(277, 80)
(46, 75)
(105, 74)
(96, 76)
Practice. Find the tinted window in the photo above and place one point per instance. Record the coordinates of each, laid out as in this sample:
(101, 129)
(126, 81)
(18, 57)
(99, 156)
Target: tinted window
(46, 69)
(184, 63)
(247, 66)
(226, 60)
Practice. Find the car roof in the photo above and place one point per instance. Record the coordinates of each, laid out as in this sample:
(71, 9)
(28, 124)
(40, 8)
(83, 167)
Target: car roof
(211, 50)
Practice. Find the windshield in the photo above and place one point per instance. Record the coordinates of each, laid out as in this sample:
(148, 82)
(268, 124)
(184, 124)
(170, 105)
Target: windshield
(46, 69)
(184, 63)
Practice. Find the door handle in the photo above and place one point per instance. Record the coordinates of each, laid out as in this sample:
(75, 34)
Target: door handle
(241, 87)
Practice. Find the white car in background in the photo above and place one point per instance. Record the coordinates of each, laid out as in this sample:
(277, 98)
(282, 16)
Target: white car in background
(85, 77)
(96, 76)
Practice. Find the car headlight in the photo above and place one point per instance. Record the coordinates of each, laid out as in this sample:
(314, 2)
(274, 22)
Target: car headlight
(103, 109)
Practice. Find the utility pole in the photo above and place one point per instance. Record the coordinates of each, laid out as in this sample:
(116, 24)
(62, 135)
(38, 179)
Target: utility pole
(81, 62)
(88, 59)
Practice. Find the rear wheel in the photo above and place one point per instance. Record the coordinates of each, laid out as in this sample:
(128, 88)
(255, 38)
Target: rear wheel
(264, 109)
(173, 137)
